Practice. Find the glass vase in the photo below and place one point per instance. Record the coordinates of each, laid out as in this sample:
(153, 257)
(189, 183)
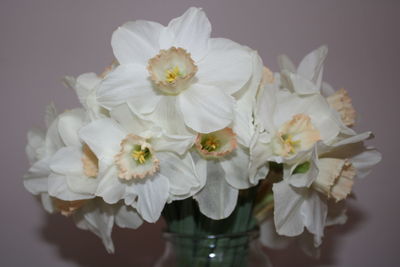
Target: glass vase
(226, 250)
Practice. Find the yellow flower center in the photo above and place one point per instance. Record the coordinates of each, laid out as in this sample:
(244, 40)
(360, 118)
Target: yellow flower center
(289, 144)
(295, 135)
(140, 155)
(210, 143)
(172, 74)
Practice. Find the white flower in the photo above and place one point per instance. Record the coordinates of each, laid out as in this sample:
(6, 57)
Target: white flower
(301, 198)
(289, 125)
(141, 165)
(222, 157)
(178, 68)
(58, 166)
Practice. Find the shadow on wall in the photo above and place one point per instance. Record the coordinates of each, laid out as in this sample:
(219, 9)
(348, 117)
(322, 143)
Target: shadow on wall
(294, 256)
(132, 247)
(144, 246)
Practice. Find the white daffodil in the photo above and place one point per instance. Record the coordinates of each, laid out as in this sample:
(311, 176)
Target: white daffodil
(51, 171)
(177, 72)
(222, 157)
(328, 173)
(141, 164)
(74, 167)
(289, 125)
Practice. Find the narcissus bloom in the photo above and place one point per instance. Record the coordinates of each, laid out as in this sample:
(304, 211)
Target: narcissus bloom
(178, 68)
(141, 164)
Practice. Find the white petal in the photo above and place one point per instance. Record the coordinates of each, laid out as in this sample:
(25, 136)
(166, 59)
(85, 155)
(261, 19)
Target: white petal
(243, 124)
(205, 108)
(354, 139)
(58, 187)
(217, 199)
(111, 188)
(127, 217)
(228, 66)
(191, 31)
(47, 202)
(364, 161)
(287, 214)
(312, 64)
(53, 141)
(82, 184)
(236, 167)
(69, 124)
(299, 84)
(136, 41)
(307, 178)
(168, 116)
(67, 161)
(83, 85)
(260, 153)
(285, 63)
(152, 196)
(267, 103)
(128, 83)
(314, 211)
(181, 173)
(104, 138)
(35, 144)
(97, 217)
(35, 181)
(173, 143)
(131, 121)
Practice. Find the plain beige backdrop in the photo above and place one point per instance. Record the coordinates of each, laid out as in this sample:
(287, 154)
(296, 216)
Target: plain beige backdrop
(43, 40)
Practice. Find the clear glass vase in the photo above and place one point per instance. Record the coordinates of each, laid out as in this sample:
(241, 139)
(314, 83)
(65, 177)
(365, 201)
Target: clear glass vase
(230, 250)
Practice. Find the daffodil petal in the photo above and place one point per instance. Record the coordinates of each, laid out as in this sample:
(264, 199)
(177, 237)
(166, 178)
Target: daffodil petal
(136, 41)
(181, 173)
(36, 180)
(127, 217)
(228, 66)
(236, 168)
(152, 195)
(217, 199)
(287, 209)
(58, 187)
(103, 137)
(97, 217)
(206, 109)
(128, 84)
(68, 161)
(69, 124)
(191, 31)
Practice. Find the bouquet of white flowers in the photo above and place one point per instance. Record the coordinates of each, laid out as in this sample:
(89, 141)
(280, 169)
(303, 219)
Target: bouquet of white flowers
(197, 130)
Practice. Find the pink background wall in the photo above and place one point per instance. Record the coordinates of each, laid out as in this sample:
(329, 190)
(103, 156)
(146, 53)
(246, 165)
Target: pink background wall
(42, 40)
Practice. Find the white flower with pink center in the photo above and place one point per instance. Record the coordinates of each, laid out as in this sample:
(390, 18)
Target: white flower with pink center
(178, 68)
(141, 164)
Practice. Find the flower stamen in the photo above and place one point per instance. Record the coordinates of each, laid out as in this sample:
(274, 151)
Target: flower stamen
(172, 70)
(295, 135)
(140, 155)
(136, 158)
(172, 74)
(216, 144)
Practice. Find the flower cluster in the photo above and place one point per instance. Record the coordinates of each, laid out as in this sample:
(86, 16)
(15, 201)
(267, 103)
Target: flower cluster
(179, 115)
